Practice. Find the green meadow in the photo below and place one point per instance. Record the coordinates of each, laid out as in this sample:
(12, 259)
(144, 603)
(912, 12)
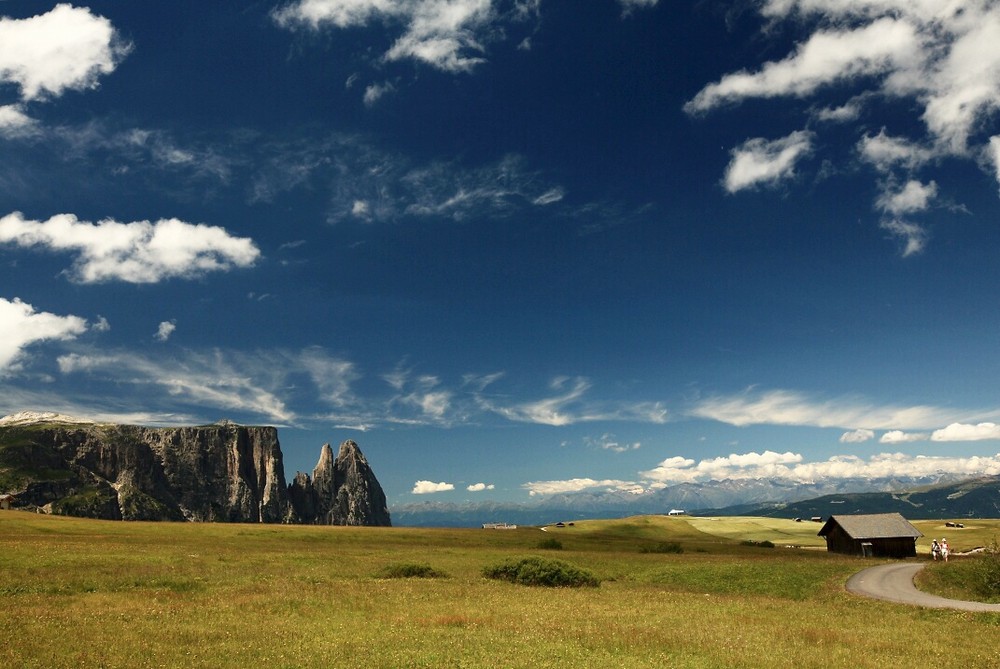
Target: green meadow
(678, 592)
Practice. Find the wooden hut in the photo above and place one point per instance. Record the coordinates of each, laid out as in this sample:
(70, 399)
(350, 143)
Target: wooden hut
(871, 535)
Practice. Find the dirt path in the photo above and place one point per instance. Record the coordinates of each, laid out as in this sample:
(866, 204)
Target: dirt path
(894, 583)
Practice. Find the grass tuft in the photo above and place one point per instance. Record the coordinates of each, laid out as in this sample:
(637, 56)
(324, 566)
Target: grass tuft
(410, 570)
(663, 547)
(550, 544)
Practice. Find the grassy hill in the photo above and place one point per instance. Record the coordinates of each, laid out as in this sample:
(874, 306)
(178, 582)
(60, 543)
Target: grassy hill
(85, 593)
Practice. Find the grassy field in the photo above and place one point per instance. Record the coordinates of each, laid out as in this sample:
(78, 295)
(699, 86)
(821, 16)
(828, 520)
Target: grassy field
(84, 593)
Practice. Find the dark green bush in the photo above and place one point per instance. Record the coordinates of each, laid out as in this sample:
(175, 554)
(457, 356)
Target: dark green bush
(758, 544)
(551, 543)
(541, 571)
(410, 570)
(663, 547)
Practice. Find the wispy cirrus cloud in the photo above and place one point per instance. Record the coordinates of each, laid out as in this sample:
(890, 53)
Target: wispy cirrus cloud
(138, 252)
(570, 405)
(783, 407)
(942, 58)
(578, 485)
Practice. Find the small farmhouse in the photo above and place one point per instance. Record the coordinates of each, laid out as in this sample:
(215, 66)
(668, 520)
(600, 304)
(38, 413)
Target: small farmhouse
(6, 501)
(871, 535)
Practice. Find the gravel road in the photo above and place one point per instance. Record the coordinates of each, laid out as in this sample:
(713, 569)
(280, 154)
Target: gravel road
(894, 583)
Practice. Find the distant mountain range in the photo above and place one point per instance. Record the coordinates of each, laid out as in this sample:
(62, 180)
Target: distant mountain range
(974, 498)
(918, 497)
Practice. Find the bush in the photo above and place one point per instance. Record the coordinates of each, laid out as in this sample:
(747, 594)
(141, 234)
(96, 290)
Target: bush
(663, 547)
(551, 543)
(987, 571)
(758, 544)
(541, 571)
(410, 570)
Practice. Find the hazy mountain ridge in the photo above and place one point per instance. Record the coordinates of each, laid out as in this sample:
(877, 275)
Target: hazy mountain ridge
(691, 497)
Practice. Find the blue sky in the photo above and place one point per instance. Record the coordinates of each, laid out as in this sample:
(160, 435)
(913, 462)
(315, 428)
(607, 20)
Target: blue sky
(513, 247)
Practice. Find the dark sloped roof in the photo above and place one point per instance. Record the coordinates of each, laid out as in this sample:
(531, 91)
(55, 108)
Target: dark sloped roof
(872, 526)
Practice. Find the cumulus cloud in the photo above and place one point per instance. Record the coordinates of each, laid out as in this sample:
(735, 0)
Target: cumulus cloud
(790, 466)
(67, 48)
(900, 437)
(428, 487)
(575, 485)
(761, 162)
(783, 407)
(857, 436)
(912, 197)
(139, 252)
(165, 329)
(967, 432)
(942, 59)
(479, 487)
(21, 326)
(14, 122)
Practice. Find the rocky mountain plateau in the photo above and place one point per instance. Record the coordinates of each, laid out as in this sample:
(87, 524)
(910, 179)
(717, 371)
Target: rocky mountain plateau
(214, 473)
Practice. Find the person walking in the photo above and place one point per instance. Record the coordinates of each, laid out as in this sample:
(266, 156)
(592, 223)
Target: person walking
(944, 549)
(935, 550)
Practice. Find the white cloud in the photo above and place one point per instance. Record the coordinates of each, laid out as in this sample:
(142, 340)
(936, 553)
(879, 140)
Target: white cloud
(139, 252)
(761, 162)
(22, 326)
(206, 380)
(967, 432)
(67, 48)
(900, 437)
(912, 197)
(825, 58)
(789, 466)
(14, 122)
(479, 487)
(608, 442)
(914, 236)
(569, 406)
(101, 325)
(857, 436)
(428, 487)
(445, 34)
(375, 92)
(942, 59)
(164, 331)
(574, 485)
(783, 407)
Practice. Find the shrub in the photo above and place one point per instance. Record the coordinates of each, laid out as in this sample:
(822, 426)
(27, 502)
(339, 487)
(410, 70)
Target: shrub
(758, 544)
(987, 571)
(663, 547)
(541, 571)
(410, 570)
(550, 544)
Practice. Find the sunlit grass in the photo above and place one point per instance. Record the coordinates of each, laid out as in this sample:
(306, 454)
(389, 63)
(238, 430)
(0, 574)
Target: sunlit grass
(83, 593)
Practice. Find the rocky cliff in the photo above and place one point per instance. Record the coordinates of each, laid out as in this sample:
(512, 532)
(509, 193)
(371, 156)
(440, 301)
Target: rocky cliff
(342, 491)
(222, 472)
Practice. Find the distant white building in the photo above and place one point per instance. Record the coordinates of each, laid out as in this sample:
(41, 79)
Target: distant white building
(499, 526)
(677, 512)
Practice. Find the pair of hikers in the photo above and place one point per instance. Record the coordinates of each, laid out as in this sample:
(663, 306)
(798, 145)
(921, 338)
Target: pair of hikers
(939, 549)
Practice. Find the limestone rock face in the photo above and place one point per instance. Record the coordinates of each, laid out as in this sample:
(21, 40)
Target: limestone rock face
(342, 491)
(222, 472)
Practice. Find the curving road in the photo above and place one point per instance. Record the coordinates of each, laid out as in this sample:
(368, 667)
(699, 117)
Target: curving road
(894, 583)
